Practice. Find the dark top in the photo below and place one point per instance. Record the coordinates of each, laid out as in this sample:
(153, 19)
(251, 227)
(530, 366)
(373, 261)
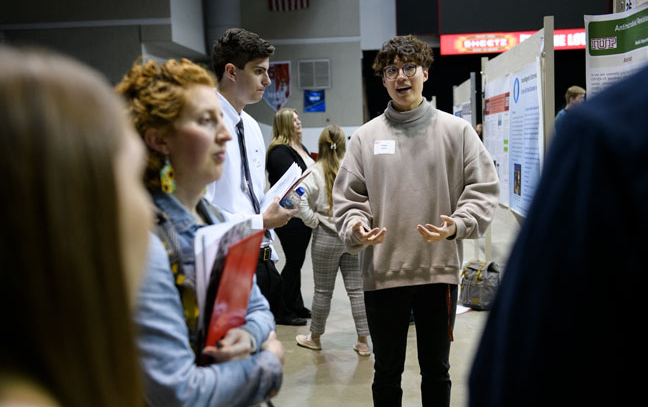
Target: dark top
(565, 327)
(280, 158)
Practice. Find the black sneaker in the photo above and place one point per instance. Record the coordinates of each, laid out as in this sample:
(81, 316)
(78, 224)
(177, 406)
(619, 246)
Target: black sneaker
(304, 313)
(295, 321)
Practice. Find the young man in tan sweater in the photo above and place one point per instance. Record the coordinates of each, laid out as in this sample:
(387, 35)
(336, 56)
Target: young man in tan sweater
(414, 183)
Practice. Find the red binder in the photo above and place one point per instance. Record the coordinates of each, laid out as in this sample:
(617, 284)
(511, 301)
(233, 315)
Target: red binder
(230, 306)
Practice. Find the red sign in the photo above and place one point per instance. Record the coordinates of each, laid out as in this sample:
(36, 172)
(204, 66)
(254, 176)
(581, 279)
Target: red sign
(496, 104)
(483, 43)
(276, 95)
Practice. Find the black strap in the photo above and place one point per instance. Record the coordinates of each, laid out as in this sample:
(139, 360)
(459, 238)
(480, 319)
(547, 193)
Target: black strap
(165, 230)
(167, 233)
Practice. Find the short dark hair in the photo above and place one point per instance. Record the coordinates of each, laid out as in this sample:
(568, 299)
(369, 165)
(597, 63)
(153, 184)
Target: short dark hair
(406, 48)
(238, 46)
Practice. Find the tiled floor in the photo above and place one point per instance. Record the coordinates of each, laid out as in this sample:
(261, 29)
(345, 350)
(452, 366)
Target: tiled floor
(337, 376)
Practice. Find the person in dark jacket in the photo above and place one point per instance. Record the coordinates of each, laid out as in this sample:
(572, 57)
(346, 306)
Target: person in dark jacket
(563, 330)
(285, 149)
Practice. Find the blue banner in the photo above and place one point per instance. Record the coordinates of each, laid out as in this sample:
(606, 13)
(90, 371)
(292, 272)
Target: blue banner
(314, 101)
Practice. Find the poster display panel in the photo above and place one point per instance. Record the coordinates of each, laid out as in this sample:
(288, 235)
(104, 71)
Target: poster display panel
(496, 129)
(464, 111)
(617, 47)
(525, 136)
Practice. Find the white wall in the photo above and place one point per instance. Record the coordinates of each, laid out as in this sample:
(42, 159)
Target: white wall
(310, 136)
(377, 22)
(343, 98)
(326, 30)
(187, 24)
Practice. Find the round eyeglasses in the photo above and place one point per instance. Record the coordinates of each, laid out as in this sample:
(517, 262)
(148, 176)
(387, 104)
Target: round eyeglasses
(391, 71)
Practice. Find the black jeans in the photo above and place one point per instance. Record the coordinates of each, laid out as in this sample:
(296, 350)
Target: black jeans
(294, 238)
(388, 314)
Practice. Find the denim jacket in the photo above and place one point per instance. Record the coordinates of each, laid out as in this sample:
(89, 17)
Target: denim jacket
(172, 378)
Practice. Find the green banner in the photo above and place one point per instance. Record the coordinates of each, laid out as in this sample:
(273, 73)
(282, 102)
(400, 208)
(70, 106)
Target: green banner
(614, 37)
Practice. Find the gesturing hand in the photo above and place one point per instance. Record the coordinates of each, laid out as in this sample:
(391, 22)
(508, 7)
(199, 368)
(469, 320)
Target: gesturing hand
(433, 233)
(374, 236)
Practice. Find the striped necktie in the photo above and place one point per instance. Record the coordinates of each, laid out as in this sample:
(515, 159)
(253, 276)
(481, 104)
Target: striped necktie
(246, 170)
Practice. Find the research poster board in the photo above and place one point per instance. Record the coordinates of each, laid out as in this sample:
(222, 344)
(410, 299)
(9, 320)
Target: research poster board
(526, 145)
(464, 100)
(458, 110)
(516, 115)
(533, 60)
(464, 111)
(496, 129)
(617, 46)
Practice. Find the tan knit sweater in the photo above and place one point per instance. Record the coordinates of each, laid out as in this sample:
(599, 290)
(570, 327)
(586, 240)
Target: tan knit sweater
(402, 169)
(314, 205)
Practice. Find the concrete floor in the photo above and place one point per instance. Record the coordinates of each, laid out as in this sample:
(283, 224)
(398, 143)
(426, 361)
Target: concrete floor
(338, 376)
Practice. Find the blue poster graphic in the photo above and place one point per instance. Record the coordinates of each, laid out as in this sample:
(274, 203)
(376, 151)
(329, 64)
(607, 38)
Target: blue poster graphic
(525, 132)
(314, 101)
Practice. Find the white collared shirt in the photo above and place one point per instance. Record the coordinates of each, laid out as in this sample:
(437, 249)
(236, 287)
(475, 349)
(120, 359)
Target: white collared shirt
(230, 193)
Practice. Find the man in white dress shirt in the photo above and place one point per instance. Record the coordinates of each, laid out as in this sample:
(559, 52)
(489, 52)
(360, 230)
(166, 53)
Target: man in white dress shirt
(241, 60)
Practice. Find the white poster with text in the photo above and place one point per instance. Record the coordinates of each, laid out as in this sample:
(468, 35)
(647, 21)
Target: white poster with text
(496, 129)
(525, 137)
(617, 47)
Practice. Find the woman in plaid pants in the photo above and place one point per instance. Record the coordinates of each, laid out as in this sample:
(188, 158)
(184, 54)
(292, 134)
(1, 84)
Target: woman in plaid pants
(327, 250)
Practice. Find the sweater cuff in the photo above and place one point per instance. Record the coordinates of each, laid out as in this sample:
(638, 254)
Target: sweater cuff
(351, 237)
(256, 222)
(460, 229)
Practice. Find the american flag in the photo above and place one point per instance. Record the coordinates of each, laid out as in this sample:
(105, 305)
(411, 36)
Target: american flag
(288, 5)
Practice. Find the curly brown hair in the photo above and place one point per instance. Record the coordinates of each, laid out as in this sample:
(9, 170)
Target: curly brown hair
(406, 48)
(155, 95)
(238, 46)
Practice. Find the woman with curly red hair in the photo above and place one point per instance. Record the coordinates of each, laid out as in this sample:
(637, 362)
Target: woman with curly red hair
(175, 108)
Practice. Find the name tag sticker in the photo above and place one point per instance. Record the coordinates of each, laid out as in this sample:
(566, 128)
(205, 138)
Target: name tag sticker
(257, 162)
(384, 147)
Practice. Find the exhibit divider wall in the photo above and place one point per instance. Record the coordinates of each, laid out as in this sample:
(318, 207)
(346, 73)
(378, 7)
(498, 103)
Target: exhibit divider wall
(464, 105)
(518, 123)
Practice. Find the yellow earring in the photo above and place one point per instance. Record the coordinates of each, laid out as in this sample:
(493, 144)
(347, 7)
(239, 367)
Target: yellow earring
(167, 177)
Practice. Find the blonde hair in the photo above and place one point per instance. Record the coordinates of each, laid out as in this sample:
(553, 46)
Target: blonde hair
(573, 91)
(283, 128)
(331, 146)
(155, 94)
(64, 293)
